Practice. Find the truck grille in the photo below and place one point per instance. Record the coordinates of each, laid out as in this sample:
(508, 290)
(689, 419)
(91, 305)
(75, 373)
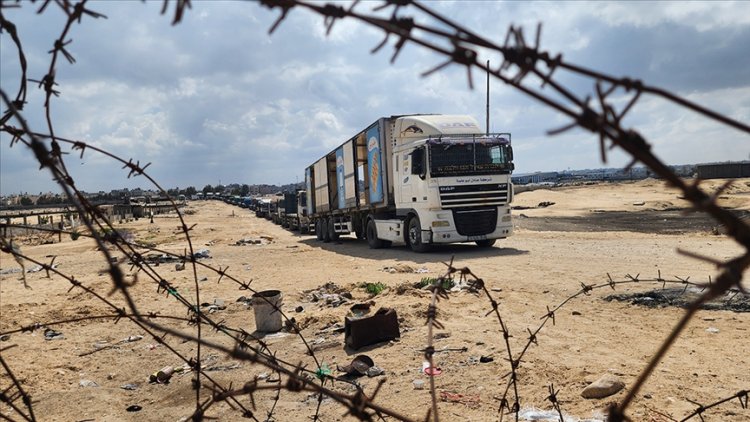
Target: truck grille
(474, 195)
(475, 222)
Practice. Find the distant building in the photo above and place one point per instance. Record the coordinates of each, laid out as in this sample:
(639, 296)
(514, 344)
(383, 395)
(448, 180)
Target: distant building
(546, 177)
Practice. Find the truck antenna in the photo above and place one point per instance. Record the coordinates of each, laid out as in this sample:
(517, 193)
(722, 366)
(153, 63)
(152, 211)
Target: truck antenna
(488, 99)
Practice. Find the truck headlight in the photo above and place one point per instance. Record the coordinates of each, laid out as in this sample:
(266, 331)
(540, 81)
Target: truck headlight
(441, 223)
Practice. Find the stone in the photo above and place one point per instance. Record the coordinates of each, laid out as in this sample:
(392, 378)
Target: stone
(603, 387)
(375, 371)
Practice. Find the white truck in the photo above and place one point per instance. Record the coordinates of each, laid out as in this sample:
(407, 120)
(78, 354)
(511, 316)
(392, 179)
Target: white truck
(417, 180)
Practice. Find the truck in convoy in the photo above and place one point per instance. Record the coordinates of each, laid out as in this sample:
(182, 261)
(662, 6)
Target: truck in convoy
(417, 180)
(263, 208)
(303, 218)
(288, 211)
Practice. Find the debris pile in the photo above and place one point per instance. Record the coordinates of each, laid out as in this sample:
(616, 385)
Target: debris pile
(328, 294)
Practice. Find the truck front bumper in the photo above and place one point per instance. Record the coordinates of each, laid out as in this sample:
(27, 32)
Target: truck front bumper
(444, 230)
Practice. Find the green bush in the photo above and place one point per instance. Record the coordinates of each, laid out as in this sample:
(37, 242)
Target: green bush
(374, 288)
(445, 283)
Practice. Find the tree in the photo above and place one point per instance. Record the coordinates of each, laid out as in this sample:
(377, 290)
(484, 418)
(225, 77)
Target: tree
(245, 190)
(26, 201)
(207, 189)
(190, 191)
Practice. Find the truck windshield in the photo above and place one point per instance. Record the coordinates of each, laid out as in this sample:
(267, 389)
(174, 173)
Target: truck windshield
(470, 156)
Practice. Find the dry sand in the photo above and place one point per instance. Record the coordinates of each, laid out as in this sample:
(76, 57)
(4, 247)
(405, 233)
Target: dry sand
(579, 239)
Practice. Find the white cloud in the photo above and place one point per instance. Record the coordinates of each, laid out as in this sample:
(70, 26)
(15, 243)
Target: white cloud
(227, 100)
(704, 15)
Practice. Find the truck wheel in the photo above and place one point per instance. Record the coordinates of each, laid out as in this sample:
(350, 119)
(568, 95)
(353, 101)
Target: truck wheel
(372, 236)
(332, 235)
(415, 236)
(486, 243)
(324, 230)
(318, 230)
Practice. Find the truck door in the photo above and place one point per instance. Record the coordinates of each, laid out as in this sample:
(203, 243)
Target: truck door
(412, 167)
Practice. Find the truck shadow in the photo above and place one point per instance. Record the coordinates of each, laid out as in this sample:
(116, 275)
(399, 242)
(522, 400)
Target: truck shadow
(351, 246)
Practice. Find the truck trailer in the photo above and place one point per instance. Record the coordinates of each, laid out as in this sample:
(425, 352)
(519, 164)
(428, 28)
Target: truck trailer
(417, 180)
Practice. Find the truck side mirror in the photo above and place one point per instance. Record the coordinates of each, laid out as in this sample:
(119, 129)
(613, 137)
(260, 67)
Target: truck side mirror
(418, 162)
(510, 153)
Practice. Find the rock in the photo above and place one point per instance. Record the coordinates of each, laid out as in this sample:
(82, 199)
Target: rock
(50, 334)
(179, 266)
(603, 387)
(375, 371)
(441, 335)
(88, 383)
(202, 253)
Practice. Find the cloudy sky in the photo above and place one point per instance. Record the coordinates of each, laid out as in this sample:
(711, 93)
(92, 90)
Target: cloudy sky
(216, 99)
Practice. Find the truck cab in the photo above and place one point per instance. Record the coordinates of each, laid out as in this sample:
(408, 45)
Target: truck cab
(453, 181)
(302, 216)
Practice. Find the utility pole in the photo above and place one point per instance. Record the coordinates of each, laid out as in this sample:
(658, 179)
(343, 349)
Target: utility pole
(487, 111)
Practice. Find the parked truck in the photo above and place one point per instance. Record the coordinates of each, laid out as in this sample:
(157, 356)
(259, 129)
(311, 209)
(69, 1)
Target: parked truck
(304, 222)
(414, 179)
(288, 216)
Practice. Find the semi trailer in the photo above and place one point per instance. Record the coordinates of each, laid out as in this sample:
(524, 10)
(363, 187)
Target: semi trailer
(417, 180)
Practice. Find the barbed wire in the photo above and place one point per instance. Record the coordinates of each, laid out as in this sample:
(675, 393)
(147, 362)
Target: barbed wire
(521, 62)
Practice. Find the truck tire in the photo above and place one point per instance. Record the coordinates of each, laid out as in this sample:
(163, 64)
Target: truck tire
(332, 235)
(324, 230)
(372, 236)
(414, 236)
(318, 230)
(486, 243)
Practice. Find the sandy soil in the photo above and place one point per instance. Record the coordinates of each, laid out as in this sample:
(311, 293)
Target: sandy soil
(554, 249)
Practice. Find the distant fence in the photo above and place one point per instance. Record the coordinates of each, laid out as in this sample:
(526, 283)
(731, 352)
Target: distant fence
(724, 170)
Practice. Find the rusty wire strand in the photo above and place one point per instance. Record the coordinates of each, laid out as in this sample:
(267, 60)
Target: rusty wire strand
(605, 123)
(520, 62)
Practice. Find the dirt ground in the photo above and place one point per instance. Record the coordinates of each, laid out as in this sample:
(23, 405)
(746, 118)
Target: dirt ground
(590, 233)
